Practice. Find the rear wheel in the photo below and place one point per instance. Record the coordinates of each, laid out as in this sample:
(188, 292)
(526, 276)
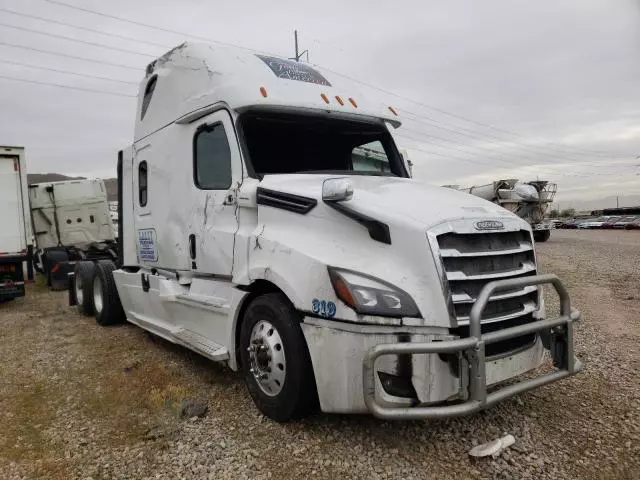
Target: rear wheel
(83, 287)
(541, 235)
(275, 361)
(105, 300)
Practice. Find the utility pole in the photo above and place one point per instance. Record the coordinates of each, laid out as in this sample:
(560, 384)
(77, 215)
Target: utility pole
(298, 55)
(617, 202)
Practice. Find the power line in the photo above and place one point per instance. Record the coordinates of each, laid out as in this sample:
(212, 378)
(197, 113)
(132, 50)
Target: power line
(93, 60)
(445, 146)
(71, 39)
(460, 131)
(474, 135)
(146, 25)
(444, 112)
(39, 67)
(337, 73)
(492, 152)
(86, 29)
(454, 157)
(508, 161)
(485, 164)
(388, 92)
(59, 85)
(470, 120)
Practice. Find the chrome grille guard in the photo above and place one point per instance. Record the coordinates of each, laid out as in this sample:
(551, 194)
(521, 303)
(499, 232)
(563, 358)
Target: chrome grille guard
(560, 342)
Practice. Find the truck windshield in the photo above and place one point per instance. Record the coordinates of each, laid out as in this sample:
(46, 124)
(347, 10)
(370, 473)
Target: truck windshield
(297, 143)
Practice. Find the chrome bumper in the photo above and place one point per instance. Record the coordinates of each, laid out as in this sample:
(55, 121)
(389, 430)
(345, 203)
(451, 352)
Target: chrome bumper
(472, 353)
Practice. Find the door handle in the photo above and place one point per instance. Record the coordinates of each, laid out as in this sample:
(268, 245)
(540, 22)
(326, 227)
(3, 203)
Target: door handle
(230, 198)
(192, 246)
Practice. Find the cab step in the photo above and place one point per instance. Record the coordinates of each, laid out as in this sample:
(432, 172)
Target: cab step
(201, 344)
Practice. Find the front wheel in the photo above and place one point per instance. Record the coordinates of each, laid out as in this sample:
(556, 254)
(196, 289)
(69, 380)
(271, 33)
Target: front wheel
(275, 361)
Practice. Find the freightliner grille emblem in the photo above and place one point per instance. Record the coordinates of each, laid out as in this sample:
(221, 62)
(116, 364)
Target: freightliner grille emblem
(489, 225)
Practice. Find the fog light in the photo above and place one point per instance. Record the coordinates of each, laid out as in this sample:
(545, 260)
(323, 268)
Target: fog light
(397, 386)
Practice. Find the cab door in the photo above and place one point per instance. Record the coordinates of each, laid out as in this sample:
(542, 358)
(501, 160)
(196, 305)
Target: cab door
(216, 174)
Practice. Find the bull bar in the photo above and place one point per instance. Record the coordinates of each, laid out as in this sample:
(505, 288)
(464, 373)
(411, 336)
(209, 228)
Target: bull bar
(560, 342)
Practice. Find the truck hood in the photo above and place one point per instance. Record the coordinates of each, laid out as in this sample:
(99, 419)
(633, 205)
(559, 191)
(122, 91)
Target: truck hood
(394, 197)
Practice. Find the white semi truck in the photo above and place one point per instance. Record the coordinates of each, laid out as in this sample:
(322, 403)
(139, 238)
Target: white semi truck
(16, 241)
(528, 200)
(249, 233)
(71, 222)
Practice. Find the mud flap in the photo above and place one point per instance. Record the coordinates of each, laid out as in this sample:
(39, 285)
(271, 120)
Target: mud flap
(73, 301)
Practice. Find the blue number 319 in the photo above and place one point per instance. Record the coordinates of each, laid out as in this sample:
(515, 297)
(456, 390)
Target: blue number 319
(323, 308)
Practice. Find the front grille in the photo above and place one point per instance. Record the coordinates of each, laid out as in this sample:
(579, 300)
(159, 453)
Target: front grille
(504, 346)
(470, 261)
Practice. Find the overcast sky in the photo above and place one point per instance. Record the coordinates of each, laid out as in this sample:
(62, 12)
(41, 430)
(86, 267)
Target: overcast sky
(491, 89)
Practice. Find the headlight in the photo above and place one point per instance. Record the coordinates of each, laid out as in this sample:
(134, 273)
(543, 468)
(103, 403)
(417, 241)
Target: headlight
(370, 296)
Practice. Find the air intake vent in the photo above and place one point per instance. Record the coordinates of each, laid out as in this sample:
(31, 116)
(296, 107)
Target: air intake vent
(285, 201)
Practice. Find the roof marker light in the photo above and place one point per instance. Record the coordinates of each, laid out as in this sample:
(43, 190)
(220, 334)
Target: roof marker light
(324, 97)
(353, 102)
(339, 100)
(263, 91)
(393, 110)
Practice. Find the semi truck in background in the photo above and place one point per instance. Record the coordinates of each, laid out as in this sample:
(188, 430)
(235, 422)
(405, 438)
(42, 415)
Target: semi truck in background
(267, 220)
(528, 200)
(71, 222)
(113, 214)
(16, 242)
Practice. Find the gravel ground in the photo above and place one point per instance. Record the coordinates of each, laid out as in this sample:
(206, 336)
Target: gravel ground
(81, 401)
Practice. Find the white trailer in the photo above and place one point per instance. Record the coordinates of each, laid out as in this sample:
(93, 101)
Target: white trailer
(71, 222)
(251, 233)
(528, 200)
(16, 242)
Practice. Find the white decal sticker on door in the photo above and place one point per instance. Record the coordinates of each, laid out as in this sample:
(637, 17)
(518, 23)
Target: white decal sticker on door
(146, 244)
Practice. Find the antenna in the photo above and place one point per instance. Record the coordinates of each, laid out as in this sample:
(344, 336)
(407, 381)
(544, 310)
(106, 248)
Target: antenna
(298, 55)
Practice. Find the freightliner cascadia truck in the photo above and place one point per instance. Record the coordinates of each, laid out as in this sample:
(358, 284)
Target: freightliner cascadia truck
(257, 228)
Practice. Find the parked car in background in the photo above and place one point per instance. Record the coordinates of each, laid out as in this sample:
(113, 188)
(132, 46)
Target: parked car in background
(634, 225)
(571, 223)
(557, 223)
(593, 223)
(624, 221)
(610, 221)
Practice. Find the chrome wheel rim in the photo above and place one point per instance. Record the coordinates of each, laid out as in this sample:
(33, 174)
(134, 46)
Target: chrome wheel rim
(79, 292)
(97, 295)
(266, 358)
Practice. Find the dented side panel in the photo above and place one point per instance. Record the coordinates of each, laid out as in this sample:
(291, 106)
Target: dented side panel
(177, 209)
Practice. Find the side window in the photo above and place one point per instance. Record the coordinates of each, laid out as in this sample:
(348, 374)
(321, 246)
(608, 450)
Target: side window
(370, 157)
(212, 158)
(148, 93)
(142, 184)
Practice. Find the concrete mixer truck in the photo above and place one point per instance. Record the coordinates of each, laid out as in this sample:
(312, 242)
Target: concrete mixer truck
(528, 200)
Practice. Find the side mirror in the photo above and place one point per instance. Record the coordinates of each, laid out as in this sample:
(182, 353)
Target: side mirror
(337, 190)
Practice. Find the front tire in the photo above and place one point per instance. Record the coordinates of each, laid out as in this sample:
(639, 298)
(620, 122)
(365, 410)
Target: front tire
(106, 302)
(275, 361)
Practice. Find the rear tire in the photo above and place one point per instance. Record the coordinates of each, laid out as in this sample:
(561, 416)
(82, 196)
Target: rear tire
(294, 393)
(541, 235)
(105, 299)
(83, 284)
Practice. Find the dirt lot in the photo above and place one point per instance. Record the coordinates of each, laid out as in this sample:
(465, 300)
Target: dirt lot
(81, 401)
